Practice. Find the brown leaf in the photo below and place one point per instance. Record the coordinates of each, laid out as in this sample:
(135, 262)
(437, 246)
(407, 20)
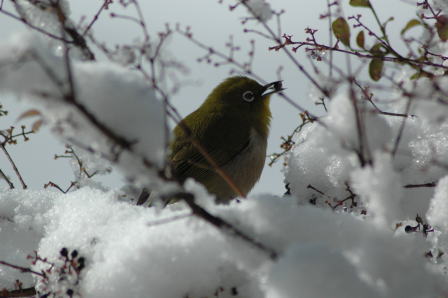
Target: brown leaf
(442, 27)
(412, 23)
(29, 113)
(37, 125)
(360, 39)
(376, 68)
(341, 30)
(360, 3)
(378, 50)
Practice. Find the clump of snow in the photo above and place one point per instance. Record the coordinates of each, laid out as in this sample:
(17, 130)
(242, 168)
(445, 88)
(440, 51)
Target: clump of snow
(326, 160)
(260, 9)
(437, 218)
(117, 98)
(129, 251)
(41, 14)
(334, 275)
(440, 4)
(380, 189)
(388, 183)
(21, 228)
(438, 209)
(327, 151)
(124, 55)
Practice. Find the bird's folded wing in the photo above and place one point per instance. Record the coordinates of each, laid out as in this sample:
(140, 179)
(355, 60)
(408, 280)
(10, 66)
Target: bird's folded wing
(222, 147)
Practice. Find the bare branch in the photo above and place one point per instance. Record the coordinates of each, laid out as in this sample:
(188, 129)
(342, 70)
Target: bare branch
(13, 164)
(2, 174)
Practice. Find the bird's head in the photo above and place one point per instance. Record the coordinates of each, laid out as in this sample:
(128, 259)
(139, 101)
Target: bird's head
(240, 97)
(242, 93)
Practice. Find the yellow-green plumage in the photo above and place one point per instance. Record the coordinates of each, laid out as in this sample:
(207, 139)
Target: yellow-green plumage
(233, 131)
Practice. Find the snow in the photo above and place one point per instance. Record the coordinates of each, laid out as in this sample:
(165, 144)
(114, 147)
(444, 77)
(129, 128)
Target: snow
(21, 229)
(129, 252)
(260, 9)
(439, 206)
(376, 186)
(41, 14)
(336, 275)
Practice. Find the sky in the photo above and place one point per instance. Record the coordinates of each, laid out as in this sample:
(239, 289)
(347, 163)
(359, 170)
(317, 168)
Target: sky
(211, 23)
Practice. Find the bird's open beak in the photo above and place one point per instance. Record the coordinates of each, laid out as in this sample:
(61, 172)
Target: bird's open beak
(271, 88)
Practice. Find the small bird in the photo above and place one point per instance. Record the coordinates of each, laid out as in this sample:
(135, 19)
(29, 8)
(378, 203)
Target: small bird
(232, 126)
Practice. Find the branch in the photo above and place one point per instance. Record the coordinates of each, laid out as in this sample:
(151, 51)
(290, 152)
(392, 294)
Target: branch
(76, 38)
(2, 174)
(401, 129)
(321, 47)
(13, 164)
(429, 184)
(22, 269)
(27, 292)
(105, 5)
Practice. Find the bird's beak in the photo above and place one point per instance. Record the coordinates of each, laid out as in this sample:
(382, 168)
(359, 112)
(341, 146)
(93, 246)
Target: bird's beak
(271, 88)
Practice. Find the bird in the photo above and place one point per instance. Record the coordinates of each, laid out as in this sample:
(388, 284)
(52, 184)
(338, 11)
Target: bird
(231, 127)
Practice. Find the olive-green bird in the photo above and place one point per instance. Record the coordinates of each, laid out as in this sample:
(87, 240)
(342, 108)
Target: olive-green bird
(232, 126)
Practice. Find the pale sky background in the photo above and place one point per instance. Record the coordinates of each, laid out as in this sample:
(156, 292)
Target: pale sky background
(212, 23)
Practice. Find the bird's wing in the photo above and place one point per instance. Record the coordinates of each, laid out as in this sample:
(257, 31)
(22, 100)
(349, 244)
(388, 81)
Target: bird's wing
(225, 141)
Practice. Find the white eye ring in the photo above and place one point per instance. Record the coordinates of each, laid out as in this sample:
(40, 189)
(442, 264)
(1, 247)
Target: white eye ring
(248, 96)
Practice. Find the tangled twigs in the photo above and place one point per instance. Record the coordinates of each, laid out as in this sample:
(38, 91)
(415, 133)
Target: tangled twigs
(52, 184)
(288, 141)
(319, 47)
(104, 6)
(71, 35)
(334, 202)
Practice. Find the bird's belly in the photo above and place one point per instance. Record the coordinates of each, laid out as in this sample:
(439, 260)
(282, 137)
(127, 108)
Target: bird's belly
(245, 169)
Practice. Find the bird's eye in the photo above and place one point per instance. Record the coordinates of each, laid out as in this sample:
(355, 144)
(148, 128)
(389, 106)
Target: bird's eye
(248, 96)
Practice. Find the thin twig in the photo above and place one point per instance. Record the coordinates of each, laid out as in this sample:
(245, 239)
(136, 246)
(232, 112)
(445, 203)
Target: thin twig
(76, 39)
(11, 185)
(242, 67)
(13, 164)
(360, 129)
(401, 129)
(96, 16)
(369, 98)
(22, 269)
(52, 184)
(330, 33)
(168, 220)
(24, 21)
(429, 184)
(322, 47)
